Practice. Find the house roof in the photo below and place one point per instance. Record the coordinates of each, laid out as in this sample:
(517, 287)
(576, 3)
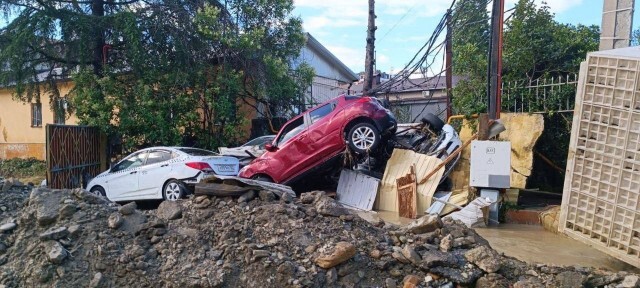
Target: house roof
(332, 59)
(413, 85)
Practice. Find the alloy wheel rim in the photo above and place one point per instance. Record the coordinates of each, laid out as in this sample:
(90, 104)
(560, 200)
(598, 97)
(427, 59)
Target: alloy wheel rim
(363, 138)
(172, 192)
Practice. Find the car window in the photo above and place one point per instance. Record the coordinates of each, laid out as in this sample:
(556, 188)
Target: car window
(158, 156)
(294, 128)
(260, 141)
(197, 152)
(133, 161)
(320, 112)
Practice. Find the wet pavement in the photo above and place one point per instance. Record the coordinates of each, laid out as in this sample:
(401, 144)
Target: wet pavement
(531, 243)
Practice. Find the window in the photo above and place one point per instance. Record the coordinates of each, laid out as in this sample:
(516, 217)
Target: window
(133, 161)
(36, 115)
(260, 141)
(60, 111)
(320, 112)
(294, 128)
(158, 156)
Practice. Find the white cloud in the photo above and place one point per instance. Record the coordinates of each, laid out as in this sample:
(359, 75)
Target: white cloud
(353, 58)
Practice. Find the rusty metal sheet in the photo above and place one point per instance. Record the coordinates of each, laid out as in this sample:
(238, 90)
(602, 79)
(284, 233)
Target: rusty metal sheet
(357, 190)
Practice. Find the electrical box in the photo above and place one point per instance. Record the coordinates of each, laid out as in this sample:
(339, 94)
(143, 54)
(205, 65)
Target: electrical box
(490, 164)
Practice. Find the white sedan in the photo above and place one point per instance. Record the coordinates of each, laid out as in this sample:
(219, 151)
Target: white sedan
(160, 173)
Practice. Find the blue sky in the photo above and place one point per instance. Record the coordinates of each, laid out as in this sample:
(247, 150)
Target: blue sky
(405, 25)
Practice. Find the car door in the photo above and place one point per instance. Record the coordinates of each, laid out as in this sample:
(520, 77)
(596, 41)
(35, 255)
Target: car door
(293, 149)
(124, 182)
(324, 135)
(154, 173)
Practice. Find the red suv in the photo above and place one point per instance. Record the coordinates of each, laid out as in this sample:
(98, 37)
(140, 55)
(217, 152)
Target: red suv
(319, 135)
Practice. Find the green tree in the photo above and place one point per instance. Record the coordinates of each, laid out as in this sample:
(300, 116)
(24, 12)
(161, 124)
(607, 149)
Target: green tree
(635, 37)
(470, 47)
(157, 72)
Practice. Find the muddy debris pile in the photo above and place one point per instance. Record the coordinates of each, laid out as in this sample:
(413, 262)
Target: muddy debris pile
(71, 238)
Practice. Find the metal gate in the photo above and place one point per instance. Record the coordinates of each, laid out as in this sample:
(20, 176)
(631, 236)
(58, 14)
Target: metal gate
(75, 154)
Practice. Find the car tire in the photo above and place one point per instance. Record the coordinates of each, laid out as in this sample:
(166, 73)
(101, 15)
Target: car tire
(173, 190)
(434, 122)
(363, 138)
(262, 178)
(98, 191)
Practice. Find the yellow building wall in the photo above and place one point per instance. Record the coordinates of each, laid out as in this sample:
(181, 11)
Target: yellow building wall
(17, 138)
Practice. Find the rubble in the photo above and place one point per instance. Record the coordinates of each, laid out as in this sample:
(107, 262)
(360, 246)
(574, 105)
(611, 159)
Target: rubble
(260, 242)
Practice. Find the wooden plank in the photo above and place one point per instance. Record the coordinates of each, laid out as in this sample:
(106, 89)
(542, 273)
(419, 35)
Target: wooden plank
(397, 166)
(406, 186)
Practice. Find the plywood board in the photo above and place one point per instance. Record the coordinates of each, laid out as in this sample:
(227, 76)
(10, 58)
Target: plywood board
(399, 165)
(357, 190)
(407, 195)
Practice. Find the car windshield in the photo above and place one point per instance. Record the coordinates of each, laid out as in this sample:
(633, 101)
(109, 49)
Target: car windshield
(260, 141)
(197, 152)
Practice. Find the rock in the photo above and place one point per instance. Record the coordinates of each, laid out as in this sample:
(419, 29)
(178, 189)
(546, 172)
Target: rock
(54, 234)
(332, 276)
(310, 249)
(8, 227)
(411, 254)
(485, 258)
(464, 276)
(8, 183)
(398, 256)
(375, 254)
(390, 283)
(286, 198)
(266, 195)
(307, 198)
(115, 220)
(446, 243)
(492, 280)
(630, 281)
(569, 279)
(424, 224)
(530, 282)
(411, 281)
(437, 258)
(329, 207)
(257, 254)
(247, 196)
(74, 230)
(128, 208)
(88, 197)
(67, 211)
(169, 210)
(55, 252)
(342, 252)
(47, 204)
(97, 281)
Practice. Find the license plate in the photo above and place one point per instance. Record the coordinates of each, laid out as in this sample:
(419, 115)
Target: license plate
(226, 167)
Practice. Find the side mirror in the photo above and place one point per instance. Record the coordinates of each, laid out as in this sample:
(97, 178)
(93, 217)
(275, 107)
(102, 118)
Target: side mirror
(269, 147)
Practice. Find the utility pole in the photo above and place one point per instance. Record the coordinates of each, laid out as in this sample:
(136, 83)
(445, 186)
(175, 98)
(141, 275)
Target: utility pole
(449, 71)
(369, 59)
(617, 17)
(494, 91)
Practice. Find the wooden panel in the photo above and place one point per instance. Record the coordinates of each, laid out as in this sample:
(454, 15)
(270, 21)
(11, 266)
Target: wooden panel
(399, 165)
(407, 195)
(357, 190)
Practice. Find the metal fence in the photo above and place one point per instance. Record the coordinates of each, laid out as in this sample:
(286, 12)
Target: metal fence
(75, 154)
(540, 95)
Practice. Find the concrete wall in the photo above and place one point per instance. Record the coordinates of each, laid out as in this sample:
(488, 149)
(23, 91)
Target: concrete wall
(17, 138)
(523, 130)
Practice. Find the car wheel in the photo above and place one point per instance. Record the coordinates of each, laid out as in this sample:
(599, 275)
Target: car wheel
(262, 178)
(363, 138)
(98, 191)
(173, 190)
(434, 122)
